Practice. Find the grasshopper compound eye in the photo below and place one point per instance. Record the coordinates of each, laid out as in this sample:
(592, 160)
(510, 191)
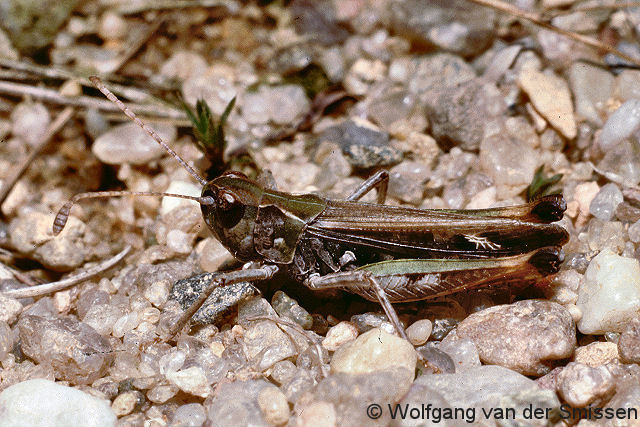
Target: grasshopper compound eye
(229, 209)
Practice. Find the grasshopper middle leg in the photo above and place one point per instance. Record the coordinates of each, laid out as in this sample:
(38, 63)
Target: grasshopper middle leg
(263, 272)
(358, 279)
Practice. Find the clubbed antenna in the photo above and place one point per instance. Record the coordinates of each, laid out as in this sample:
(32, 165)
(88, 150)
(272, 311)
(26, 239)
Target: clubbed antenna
(63, 214)
(111, 97)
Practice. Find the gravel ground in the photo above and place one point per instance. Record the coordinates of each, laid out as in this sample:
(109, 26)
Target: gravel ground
(462, 104)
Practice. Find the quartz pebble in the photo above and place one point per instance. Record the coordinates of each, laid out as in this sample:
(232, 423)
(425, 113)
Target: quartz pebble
(214, 255)
(579, 384)
(610, 294)
(273, 405)
(31, 234)
(30, 122)
(442, 25)
(189, 415)
(128, 143)
(419, 332)
(340, 334)
(281, 105)
(75, 350)
(483, 387)
(39, 402)
(458, 114)
(591, 87)
(596, 354)
(267, 344)
(629, 342)
(348, 392)
(288, 307)
(6, 339)
(191, 380)
(236, 403)
(463, 352)
(620, 125)
(363, 144)
(9, 309)
(539, 333)
(406, 181)
(550, 95)
(125, 403)
(180, 187)
(508, 160)
(376, 350)
(604, 205)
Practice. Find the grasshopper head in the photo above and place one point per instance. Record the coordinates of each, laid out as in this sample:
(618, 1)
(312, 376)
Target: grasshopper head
(232, 214)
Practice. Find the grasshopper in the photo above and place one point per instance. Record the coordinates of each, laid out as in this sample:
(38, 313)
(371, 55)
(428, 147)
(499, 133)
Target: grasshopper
(389, 254)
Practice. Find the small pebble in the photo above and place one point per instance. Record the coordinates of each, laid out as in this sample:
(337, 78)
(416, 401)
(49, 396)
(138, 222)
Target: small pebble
(75, 350)
(125, 403)
(9, 309)
(30, 122)
(579, 384)
(214, 255)
(340, 334)
(629, 342)
(376, 350)
(604, 204)
(550, 95)
(112, 26)
(38, 402)
(540, 332)
(189, 415)
(596, 354)
(420, 331)
(591, 87)
(321, 414)
(281, 105)
(620, 125)
(179, 242)
(610, 295)
(162, 393)
(274, 405)
(191, 380)
(128, 143)
(288, 307)
(267, 344)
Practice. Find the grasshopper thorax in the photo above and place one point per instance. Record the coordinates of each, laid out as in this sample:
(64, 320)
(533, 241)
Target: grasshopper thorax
(231, 216)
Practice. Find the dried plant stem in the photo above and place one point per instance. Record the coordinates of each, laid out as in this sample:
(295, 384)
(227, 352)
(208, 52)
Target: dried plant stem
(536, 19)
(52, 96)
(19, 170)
(49, 288)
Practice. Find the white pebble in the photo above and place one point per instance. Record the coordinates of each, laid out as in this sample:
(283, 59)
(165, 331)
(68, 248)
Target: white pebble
(274, 405)
(191, 380)
(610, 294)
(339, 334)
(128, 143)
(604, 205)
(622, 124)
(30, 122)
(179, 242)
(41, 402)
(183, 188)
(420, 331)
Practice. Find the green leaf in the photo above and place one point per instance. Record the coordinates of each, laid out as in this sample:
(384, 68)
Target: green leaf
(541, 185)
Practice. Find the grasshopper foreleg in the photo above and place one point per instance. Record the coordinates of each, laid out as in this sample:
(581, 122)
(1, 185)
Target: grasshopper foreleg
(358, 279)
(379, 180)
(220, 279)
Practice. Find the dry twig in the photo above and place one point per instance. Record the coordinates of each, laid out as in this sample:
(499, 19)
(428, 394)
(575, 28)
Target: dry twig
(49, 288)
(537, 19)
(19, 170)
